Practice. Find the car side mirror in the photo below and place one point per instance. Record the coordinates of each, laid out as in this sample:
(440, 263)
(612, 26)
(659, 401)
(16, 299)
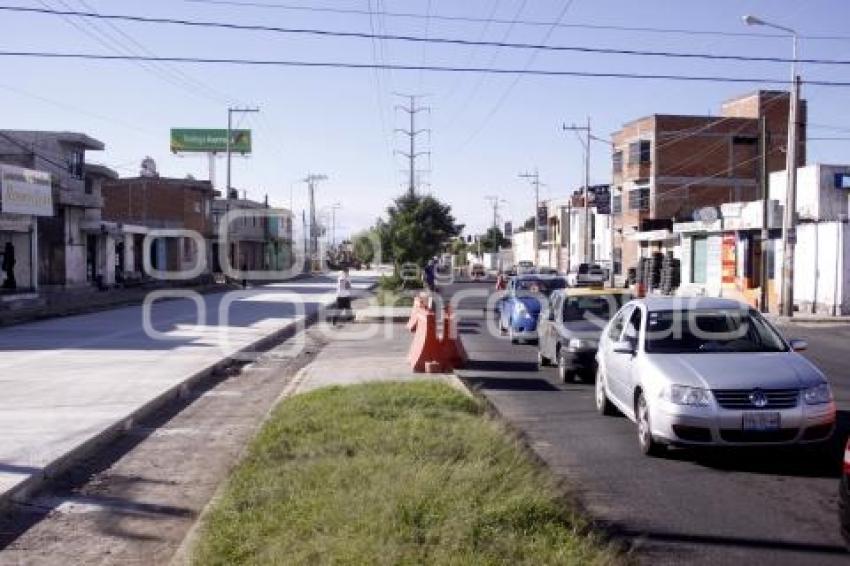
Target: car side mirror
(798, 345)
(624, 347)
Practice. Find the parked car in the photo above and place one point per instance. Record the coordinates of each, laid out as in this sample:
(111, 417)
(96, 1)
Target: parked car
(704, 371)
(586, 274)
(524, 267)
(547, 271)
(844, 497)
(476, 271)
(520, 306)
(569, 333)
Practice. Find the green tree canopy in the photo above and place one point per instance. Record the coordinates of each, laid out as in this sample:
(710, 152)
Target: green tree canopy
(418, 228)
(494, 240)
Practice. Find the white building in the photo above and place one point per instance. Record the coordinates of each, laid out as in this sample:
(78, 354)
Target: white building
(522, 244)
(723, 256)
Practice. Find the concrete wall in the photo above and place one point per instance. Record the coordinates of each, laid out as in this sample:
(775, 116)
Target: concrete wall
(817, 196)
(821, 277)
(75, 250)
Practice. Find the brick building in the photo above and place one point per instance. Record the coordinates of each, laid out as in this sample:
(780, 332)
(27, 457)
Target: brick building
(140, 206)
(667, 167)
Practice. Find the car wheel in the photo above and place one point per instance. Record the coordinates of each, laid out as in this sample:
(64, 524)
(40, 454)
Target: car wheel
(542, 361)
(648, 444)
(603, 405)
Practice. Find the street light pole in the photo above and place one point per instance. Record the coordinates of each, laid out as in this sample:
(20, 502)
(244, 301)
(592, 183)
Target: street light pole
(229, 141)
(535, 182)
(587, 250)
(789, 230)
(334, 208)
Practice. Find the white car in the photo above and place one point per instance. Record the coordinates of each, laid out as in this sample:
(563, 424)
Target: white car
(586, 274)
(700, 371)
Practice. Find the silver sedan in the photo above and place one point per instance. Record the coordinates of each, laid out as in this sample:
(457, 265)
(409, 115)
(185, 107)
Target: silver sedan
(699, 371)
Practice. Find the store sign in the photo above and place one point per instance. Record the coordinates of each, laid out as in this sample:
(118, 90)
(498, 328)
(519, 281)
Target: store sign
(25, 191)
(198, 140)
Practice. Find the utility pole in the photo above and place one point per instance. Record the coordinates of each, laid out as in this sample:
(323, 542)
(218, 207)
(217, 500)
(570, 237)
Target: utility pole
(229, 142)
(412, 133)
(765, 229)
(334, 207)
(789, 228)
(534, 178)
(311, 180)
(588, 249)
(494, 202)
(789, 220)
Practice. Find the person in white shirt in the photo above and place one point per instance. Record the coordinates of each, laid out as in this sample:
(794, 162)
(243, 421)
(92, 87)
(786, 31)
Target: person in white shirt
(343, 296)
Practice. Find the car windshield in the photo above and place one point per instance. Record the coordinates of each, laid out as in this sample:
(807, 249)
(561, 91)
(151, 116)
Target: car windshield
(710, 331)
(545, 286)
(593, 307)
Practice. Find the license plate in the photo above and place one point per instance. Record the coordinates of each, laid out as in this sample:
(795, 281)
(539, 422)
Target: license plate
(761, 421)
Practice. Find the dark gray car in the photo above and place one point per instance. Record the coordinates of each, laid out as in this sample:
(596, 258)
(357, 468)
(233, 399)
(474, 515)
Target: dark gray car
(568, 331)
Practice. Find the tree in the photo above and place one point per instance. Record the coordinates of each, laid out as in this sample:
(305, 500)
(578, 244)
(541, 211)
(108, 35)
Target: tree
(494, 240)
(418, 228)
(364, 245)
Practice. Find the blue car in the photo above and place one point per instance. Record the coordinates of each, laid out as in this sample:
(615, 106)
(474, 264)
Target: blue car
(519, 308)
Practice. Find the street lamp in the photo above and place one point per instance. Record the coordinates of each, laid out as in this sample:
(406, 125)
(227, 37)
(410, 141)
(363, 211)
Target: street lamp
(789, 234)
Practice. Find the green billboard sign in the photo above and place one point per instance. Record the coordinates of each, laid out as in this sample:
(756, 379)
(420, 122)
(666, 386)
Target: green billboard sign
(200, 140)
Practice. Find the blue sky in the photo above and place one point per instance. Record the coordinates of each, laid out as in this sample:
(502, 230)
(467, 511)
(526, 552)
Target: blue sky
(485, 129)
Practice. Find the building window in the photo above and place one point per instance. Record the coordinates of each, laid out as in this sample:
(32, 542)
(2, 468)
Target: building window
(639, 199)
(74, 160)
(89, 185)
(617, 160)
(617, 204)
(640, 152)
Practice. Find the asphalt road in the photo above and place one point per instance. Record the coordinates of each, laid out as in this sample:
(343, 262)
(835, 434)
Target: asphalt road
(760, 506)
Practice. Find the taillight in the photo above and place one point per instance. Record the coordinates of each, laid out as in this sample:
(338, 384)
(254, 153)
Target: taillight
(847, 458)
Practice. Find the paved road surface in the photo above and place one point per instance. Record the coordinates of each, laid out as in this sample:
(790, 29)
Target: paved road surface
(754, 507)
(63, 381)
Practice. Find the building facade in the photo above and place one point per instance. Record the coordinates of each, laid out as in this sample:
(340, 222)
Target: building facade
(667, 168)
(62, 246)
(156, 216)
(725, 256)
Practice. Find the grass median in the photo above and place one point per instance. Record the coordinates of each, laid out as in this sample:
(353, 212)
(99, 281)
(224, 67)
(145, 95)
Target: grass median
(391, 473)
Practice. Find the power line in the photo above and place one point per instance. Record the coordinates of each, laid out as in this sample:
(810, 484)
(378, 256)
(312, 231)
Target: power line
(401, 67)
(419, 39)
(530, 61)
(472, 19)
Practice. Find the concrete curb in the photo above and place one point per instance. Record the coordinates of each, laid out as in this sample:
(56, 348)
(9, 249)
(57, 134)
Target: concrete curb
(30, 486)
(807, 319)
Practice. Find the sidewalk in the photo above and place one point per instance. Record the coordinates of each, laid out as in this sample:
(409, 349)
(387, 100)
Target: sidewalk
(370, 350)
(71, 384)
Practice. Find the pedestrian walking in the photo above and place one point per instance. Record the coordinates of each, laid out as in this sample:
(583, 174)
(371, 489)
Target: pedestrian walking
(430, 275)
(343, 297)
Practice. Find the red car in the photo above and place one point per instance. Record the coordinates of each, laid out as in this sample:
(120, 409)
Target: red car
(844, 496)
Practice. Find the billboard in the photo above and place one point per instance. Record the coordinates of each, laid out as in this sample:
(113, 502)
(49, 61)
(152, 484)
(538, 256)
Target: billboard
(199, 140)
(25, 191)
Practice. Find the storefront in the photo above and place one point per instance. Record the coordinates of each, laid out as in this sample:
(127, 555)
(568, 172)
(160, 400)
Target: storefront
(24, 195)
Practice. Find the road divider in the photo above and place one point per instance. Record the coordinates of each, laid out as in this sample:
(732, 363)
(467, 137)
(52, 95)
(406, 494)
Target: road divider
(430, 353)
